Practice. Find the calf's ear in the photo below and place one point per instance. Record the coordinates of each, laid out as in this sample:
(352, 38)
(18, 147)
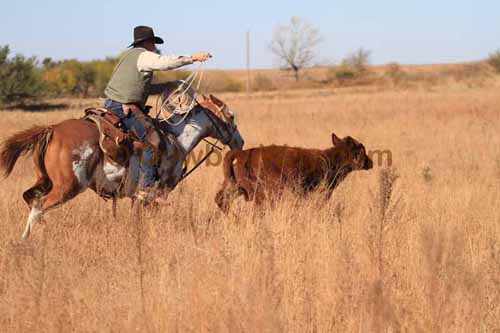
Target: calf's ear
(335, 139)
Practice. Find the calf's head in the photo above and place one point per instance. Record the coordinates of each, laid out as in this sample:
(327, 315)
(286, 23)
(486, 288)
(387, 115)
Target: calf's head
(352, 153)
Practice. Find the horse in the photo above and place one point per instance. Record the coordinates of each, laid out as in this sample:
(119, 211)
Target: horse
(68, 159)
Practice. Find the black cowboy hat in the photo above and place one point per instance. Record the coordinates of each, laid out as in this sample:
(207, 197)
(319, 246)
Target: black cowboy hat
(142, 33)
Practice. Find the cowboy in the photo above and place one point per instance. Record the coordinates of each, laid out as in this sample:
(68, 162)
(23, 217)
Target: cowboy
(127, 92)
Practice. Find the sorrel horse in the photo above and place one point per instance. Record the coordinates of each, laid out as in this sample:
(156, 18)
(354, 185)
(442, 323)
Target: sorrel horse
(68, 159)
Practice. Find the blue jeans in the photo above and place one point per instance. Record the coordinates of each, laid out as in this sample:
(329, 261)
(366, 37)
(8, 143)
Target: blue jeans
(131, 122)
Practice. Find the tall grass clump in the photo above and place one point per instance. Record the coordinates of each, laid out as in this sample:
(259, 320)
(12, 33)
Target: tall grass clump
(352, 68)
(262, 82)
(494, 60)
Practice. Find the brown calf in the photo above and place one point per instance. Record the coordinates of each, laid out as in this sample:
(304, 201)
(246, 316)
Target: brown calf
(257, 172)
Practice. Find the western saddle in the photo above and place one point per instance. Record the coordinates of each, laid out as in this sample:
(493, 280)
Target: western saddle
(115, 141)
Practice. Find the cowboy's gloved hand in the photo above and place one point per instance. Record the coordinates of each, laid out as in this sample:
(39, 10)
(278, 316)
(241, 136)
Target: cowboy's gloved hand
(201, 56)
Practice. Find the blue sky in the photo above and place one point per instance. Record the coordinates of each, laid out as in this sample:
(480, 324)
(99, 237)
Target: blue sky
(408, 31)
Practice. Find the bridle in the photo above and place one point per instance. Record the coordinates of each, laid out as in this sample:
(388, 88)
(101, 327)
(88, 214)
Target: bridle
(230, 128)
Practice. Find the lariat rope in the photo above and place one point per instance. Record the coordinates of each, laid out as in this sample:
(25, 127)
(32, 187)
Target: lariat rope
(184, 111)
(176, 108)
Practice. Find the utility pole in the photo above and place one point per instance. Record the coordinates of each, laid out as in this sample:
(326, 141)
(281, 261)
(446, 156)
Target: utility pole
(248, 62)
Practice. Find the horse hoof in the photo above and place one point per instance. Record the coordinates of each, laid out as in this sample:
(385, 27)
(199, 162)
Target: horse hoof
(26, 235)
(161, 201)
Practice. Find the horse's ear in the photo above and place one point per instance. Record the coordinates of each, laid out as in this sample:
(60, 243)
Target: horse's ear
(335, 139)
(216, 101)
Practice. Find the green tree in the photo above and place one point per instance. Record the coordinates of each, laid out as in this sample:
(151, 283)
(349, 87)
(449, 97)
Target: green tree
(48, 63)
(78, 77)
(19, 78)
(103, 70)
(85, 77)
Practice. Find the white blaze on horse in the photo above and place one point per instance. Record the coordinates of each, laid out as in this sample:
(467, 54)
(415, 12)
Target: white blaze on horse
(68, 157)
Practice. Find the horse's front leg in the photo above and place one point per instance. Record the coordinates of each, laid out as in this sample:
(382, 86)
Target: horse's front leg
(170, 176)
(113, 206)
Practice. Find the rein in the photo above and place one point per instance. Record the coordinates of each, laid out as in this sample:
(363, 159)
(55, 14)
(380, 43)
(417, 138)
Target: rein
(200, 162)
(210, 152)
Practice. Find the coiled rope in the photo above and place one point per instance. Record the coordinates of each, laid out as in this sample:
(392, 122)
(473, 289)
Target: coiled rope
(175, 108)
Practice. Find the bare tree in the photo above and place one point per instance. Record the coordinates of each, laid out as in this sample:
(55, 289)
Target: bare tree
(358, 59)
(294, 45)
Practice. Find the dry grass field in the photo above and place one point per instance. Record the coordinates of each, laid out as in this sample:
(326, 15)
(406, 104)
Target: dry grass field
(412, 248)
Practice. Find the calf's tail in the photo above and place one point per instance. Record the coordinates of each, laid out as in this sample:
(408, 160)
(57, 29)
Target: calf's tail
(228, 165)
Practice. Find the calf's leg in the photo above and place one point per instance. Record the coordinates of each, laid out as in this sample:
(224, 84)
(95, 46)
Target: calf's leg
(226, 195)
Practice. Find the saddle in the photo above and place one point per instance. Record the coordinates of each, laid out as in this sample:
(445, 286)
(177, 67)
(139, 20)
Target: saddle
(116, 143)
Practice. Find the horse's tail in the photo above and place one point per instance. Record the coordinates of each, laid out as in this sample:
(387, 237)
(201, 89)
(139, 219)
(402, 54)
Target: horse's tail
(22, 143)
(228, 164)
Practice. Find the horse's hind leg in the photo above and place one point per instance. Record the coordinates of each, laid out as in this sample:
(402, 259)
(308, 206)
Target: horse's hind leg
(66, 178)
(56, 196)
(32, 197)
(41, 188)
(35, 216)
